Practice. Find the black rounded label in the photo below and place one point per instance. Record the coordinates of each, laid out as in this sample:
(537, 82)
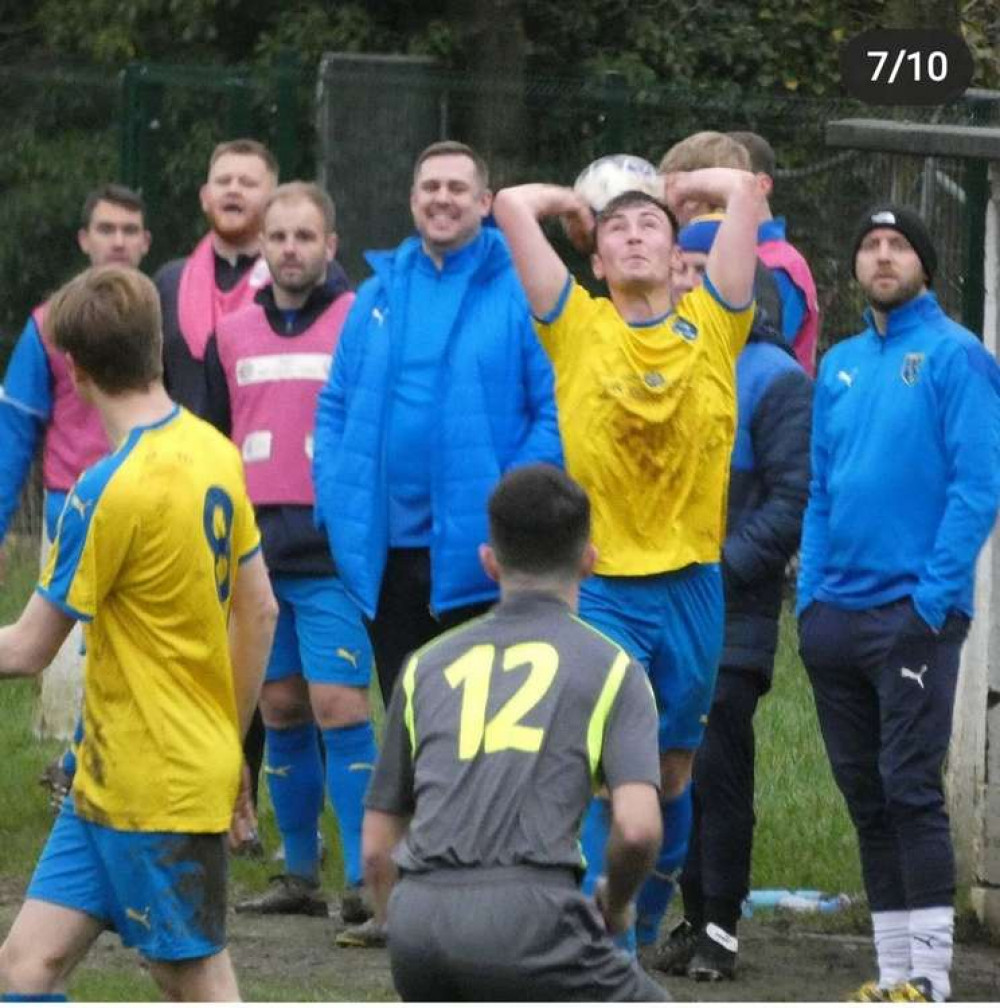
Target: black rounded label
(905, 66)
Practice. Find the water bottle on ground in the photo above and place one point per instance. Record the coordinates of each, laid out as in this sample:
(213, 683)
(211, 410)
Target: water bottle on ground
(795, 900)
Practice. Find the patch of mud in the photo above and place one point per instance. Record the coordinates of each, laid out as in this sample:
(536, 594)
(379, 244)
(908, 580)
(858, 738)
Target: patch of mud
(295, 959)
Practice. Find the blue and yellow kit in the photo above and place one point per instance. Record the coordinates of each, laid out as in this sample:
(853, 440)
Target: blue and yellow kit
(647, 417)
(147, 554)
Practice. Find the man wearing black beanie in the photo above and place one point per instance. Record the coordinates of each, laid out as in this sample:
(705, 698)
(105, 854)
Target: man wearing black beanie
(906, 222)
(904, 492)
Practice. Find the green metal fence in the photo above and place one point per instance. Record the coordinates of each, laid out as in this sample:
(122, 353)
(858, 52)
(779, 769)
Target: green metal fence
(359, 122)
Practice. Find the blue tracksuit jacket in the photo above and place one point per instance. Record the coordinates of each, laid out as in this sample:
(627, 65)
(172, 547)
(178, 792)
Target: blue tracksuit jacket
(905, 466)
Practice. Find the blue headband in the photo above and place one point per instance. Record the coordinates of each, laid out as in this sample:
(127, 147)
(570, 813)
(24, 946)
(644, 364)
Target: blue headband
(699, 234)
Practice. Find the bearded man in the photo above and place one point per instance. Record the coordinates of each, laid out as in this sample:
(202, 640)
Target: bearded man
(222, 274)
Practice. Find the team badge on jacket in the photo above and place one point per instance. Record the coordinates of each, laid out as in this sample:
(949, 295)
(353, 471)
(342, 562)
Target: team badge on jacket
(685, 329)
(910, 370)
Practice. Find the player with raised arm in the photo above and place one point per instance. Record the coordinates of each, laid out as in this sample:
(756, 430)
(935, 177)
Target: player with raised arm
(646, 395)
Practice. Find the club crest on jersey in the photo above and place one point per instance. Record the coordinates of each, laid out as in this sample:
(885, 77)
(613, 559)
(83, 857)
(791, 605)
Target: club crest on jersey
(910, 371)
(684, 329)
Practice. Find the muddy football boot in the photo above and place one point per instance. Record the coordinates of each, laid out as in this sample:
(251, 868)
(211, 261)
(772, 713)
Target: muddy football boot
(674, 954)
(287, 894)
(714, 955)
(368, 935)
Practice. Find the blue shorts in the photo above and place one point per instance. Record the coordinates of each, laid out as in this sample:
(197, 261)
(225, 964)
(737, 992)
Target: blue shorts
(673, 623)
(319, 634)
(164, 893)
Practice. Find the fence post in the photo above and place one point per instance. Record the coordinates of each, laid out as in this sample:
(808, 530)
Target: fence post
(616, 103)
(981, 655)
(977, 195)
(130, 125)
(286, 79)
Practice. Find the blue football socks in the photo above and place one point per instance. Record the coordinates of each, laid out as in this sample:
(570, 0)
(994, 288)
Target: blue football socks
(655, 895)
(295, 780)
(350, 759)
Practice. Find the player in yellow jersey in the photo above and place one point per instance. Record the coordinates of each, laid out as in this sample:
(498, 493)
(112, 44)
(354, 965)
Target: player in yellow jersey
(157, 553)
(646, 395)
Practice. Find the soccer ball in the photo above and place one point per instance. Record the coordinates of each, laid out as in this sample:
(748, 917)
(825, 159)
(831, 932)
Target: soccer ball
(607, 177)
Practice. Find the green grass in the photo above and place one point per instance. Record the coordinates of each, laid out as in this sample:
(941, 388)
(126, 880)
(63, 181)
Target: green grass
(803, 839)
(25, 818)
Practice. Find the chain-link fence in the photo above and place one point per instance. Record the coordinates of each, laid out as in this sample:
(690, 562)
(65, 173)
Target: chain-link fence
(359, 123)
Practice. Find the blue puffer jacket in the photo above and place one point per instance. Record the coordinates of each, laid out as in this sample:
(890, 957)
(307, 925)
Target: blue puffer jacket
(768, 487)
(496, 411)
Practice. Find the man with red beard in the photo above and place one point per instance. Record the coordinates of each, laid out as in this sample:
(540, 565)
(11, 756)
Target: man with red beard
(223, 272)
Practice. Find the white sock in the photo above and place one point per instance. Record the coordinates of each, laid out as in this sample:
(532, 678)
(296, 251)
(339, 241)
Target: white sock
(891, 929)
(932, 931)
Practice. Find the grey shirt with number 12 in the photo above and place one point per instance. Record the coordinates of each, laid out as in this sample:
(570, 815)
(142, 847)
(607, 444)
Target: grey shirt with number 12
(498, 733)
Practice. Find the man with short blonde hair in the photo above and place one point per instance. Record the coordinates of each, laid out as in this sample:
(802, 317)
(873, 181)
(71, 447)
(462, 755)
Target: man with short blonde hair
(702, 150)
(312, 193)
(799, 322)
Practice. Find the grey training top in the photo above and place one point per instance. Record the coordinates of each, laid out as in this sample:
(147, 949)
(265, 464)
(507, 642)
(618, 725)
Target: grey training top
(498, 732)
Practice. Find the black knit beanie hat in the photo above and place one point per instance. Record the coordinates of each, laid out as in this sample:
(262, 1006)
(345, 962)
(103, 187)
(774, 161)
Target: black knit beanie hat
(908, 223)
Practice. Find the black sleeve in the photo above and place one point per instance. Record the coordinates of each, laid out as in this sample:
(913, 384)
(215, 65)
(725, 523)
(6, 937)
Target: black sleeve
(630, 753)
(167, 282)
(780, 431)
(391, 786)
(217, 406)
(767, 298)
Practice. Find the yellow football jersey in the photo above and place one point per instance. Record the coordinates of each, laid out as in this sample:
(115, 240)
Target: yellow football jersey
(147, 554)
(647, 415)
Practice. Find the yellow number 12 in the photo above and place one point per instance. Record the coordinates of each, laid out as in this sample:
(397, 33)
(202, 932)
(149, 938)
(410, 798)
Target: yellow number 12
(472, 672)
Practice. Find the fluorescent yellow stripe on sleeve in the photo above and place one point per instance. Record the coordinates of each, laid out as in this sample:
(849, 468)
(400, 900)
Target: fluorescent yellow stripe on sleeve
(409, 682)
(595, 730)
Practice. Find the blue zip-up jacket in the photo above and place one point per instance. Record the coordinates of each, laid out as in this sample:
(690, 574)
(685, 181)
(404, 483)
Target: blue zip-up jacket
(496, 411)
(905, 466)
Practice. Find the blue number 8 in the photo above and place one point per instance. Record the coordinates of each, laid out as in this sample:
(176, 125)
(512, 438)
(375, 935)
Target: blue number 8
(218, 521)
